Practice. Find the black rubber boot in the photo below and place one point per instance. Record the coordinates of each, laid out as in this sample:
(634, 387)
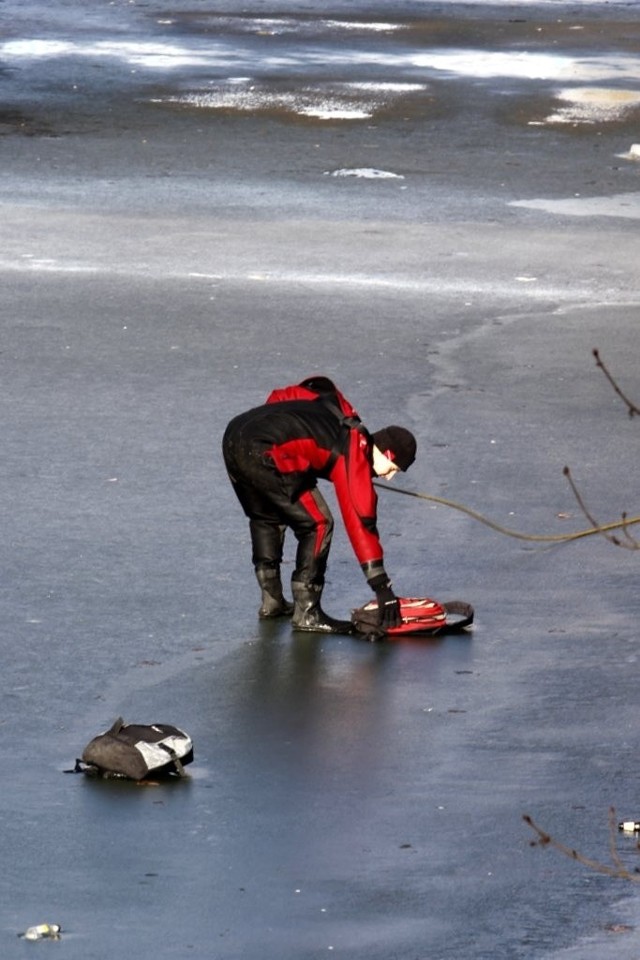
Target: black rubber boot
(309, 616)
(273, 601)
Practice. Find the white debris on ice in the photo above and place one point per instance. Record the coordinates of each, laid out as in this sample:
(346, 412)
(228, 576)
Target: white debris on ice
(366, 173)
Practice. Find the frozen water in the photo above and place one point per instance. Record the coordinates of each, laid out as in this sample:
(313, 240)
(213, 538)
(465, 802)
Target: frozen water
(164, 263)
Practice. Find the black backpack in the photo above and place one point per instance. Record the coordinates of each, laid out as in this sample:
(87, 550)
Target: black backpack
(136, 752)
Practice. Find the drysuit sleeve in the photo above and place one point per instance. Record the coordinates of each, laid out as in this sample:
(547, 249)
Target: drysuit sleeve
(358, 502)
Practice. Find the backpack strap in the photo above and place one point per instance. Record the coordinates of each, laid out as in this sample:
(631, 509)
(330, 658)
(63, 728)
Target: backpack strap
(176, 759)
(347, 424)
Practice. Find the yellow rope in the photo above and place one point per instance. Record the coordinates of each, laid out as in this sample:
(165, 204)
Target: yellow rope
(540, 538)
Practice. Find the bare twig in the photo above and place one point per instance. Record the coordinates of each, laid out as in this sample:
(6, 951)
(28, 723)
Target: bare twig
(625, 530)
(631, 407)
(630, 542)
(618, 869)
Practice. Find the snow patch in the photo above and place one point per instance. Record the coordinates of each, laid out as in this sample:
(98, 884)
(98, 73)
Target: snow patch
(594, 105)
(322, 101)
(633, 153)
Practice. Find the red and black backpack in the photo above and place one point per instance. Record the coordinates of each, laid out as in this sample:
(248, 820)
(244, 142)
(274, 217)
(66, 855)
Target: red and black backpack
(421, 616)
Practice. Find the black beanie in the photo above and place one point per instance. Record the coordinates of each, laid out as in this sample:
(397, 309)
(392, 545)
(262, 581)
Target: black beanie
(400, 444)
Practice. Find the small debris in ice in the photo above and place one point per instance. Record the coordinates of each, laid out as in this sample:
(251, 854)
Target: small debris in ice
(366, 173)
(42, 931)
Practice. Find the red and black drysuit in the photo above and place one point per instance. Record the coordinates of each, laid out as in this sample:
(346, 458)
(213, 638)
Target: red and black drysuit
(275, 455)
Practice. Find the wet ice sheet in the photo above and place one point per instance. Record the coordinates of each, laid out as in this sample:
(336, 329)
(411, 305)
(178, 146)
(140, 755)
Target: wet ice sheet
(290, 65)
(222, 51)
(625, 205)
(283, 26)
(525, 65)
(150, 55)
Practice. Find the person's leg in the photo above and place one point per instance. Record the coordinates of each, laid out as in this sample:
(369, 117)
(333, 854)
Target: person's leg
(312, 524)
(267, 540)
(252, 484)
(271, 502)
(310, 519)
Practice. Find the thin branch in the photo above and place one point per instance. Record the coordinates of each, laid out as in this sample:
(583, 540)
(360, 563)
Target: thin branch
(631, 407)
(630, 544)
(617, 870)
(634, 544)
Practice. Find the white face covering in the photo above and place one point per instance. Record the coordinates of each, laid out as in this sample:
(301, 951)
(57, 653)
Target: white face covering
(382, 465)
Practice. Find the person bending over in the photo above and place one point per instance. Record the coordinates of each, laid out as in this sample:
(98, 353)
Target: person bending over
(275, 454)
